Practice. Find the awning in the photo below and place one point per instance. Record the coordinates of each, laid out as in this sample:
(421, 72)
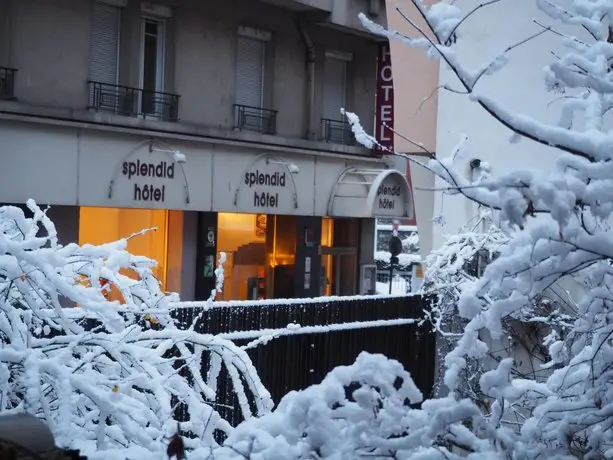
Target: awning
(370, 193)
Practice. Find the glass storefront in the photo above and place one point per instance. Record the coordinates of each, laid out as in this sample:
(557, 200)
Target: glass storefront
(164, 244)
(243, 238)
(267, 256)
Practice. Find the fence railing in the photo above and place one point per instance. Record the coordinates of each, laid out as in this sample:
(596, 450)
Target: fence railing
(337, 132)
(124, 100)
(294, 343)
(325, 333)
(255, 119)
(401, 282)
(7, 83)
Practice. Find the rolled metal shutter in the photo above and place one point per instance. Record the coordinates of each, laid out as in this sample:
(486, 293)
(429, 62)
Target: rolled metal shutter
(104, 45)
(250, 71)
(335, 75)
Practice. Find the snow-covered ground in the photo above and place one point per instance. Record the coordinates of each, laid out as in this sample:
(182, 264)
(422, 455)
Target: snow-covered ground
(400, 286)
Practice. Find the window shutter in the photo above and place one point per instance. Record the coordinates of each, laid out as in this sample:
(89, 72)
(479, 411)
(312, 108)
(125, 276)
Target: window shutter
(250, 71)
(335, 74)
(104, 46)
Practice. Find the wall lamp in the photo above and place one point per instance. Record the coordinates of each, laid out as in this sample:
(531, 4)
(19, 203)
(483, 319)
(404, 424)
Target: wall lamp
(177, 156)
(292, 167)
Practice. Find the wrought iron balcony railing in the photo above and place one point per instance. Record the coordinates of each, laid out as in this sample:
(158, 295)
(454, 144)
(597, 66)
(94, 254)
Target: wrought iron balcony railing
(337, 132)
(124, 100)
(255, 119)
(7, 83)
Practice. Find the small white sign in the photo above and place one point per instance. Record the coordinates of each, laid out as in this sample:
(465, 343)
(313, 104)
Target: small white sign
(307, 280)
(307, 265)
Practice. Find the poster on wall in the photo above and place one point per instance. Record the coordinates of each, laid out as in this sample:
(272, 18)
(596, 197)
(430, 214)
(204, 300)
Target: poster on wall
(209, 266)
(210, 237)
(260, 226)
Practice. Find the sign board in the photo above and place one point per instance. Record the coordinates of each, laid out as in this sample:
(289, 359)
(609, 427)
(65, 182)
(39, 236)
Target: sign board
(267, 188)
(148, 179)
(391, 199)
(384, 105)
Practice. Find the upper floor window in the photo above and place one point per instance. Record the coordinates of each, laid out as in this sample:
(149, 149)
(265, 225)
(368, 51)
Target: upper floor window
(334, 126)
(152, 63)
(144, 94)
(104, 43)
(250, 112)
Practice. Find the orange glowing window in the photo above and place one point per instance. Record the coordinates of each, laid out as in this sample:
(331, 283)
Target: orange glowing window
(103, 225)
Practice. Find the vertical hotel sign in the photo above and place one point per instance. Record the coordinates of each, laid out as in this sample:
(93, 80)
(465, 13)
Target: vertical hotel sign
(384, 113)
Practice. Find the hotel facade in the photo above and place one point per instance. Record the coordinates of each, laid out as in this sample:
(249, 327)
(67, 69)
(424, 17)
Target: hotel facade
(217, 123)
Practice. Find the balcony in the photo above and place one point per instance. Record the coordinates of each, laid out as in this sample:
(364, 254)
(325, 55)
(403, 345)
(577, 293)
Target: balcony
(303, 5)
(336, 132)
(133, 102)
(255, 119)
(7, 83)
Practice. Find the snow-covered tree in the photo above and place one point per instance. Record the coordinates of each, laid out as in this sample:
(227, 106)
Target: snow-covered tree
(462, 258)
(561, 220)
(104, 371)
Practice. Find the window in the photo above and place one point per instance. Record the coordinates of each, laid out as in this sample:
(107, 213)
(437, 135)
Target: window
(164, 245)
(152, 64)
(249, 110)
(104, 44)
(250, 72)
(242, 237)
(334, 126)
(335, 86)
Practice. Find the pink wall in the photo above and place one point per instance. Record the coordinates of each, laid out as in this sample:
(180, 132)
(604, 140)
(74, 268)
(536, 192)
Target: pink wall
(415, 79)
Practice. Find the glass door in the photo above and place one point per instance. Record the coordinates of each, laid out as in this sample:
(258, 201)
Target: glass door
(152, 66)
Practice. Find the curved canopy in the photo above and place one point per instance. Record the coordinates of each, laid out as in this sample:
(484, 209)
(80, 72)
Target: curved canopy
(371, 193)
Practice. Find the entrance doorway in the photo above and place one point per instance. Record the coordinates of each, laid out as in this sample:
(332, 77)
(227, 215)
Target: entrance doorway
(343, 262)
(339, 256)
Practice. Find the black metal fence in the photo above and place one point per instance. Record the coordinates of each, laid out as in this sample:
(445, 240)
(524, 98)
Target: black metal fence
(255, 119)
(7, 83)
(333, 332)
(124, 100)
(400, 281)
(337, 132)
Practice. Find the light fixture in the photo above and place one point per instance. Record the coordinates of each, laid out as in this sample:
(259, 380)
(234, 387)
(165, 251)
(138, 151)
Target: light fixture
(177, 155)
(292, 167)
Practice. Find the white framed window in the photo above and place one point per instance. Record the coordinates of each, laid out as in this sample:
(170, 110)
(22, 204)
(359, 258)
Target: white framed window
(152, 54)
(152, 63)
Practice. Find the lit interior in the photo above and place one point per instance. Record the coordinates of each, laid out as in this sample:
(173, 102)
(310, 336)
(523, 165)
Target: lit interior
(243, 238)
(105, 225)
(284, 243)
(327, 240)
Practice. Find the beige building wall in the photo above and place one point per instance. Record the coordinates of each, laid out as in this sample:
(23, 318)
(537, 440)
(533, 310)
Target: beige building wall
(415, 111)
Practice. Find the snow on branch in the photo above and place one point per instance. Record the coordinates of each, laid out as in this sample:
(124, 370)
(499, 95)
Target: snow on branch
(112, 380)
(553, 268)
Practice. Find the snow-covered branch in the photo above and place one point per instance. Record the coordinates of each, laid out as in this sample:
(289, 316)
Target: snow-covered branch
(557, 233)
(114, 379)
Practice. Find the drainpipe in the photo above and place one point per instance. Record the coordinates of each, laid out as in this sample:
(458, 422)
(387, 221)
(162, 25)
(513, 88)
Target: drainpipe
(310, 130)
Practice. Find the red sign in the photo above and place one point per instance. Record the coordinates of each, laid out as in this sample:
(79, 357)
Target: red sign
(384, 111)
